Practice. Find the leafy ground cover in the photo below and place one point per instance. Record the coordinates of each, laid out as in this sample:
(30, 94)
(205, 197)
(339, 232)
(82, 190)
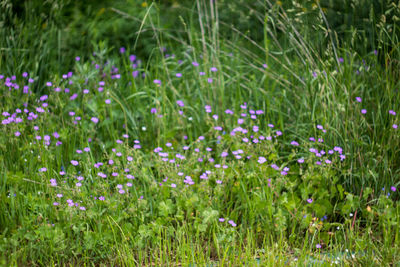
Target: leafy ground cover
(217, 151)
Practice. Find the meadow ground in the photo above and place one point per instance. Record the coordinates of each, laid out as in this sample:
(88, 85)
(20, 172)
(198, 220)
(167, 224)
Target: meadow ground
(211, 146)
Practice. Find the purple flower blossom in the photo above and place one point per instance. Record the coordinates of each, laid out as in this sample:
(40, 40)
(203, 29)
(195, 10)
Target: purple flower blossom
(135, 73)
(261, 160)
(102, 175)
(275, 167)
(232, 223)
(95, 120)
(74, 162)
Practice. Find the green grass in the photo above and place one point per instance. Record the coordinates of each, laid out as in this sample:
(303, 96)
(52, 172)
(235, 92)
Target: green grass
(343, 211)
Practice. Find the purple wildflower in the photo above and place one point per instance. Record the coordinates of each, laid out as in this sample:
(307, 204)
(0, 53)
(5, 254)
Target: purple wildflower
(180, 103)
(261, 160)
(232, 223)
(294, 143)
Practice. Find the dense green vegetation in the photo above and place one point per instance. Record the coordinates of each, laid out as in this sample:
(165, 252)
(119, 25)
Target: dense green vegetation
(199, 132)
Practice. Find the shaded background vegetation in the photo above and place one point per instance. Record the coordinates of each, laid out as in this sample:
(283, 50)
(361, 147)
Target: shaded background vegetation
(302, 62)
(70, 28)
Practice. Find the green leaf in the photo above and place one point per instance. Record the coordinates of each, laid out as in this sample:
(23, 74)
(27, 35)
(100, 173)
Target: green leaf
(166, 208)
(209, 216)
